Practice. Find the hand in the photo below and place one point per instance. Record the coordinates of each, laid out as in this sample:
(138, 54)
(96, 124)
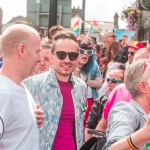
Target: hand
(39, 115)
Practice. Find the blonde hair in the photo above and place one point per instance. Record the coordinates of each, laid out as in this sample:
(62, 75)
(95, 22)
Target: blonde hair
(118, 72)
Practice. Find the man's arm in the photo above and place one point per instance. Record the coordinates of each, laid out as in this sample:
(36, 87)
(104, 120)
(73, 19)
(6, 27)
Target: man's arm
(96, 83)
(139, 138)
(102, 125)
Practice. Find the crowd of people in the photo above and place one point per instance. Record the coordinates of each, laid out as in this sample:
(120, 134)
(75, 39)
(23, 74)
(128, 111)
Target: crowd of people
(52, 91)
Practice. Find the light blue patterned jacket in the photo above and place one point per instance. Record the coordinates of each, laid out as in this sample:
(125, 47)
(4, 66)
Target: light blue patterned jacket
(45, 90)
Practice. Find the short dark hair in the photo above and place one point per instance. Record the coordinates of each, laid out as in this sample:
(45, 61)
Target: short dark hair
(54, 29)
(63, 35)
(85, 44)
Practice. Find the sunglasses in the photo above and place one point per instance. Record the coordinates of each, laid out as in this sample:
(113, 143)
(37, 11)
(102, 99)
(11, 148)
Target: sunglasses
(112, 36)
(113, 80)
(131, 53)
(62, 55)
(84, 51)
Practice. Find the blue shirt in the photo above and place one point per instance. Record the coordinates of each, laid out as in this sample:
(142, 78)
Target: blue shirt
(46, 91)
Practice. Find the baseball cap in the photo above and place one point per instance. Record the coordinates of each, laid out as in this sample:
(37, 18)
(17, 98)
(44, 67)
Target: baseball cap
(137, 45)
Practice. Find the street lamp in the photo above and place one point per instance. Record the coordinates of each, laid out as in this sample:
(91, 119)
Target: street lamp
(52, 15)
(38, 12)
(83, 16)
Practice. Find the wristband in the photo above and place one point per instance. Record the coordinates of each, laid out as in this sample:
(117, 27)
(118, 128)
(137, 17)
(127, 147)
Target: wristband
(131, 144)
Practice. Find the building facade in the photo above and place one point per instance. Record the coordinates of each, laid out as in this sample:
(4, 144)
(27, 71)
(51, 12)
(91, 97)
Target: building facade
(38, 12)
(143, 28)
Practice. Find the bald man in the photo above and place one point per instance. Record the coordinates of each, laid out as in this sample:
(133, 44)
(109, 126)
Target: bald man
(108, 38)
(20, 47)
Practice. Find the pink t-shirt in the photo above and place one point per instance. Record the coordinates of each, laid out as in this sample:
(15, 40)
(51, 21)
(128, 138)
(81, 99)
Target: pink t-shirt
(65, 135)
(119, 93)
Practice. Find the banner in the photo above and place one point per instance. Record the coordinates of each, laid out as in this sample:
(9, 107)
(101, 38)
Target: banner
(120, 33)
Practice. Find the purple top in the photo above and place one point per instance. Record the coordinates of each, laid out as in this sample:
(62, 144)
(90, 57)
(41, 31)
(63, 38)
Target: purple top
(65, 135)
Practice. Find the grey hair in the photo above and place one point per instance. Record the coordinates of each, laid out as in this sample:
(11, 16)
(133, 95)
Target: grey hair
(134, 74)
(63, 35)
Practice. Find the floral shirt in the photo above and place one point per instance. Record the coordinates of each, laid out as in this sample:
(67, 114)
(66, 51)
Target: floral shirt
(46, 91)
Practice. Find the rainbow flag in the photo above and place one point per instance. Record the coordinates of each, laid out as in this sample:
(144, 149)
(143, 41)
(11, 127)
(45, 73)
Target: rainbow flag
(94, 26)
(76, 28)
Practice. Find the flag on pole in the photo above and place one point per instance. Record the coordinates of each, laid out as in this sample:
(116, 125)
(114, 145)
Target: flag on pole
(76, 28)
(94, 26)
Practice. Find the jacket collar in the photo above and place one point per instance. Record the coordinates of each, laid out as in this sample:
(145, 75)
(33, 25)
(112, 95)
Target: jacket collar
(138, 107)
(53, 80)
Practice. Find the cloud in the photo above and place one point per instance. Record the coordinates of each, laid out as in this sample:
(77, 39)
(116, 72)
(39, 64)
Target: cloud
(103, 10)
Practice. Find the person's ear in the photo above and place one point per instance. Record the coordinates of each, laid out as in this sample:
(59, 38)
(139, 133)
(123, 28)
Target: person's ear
(21, 50)
(142, 87)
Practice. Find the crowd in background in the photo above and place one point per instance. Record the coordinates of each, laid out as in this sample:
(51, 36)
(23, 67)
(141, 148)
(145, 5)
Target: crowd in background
(75, 84)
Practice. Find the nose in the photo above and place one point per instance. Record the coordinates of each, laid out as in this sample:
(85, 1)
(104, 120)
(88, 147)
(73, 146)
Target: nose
(109, 82)
(67, 59)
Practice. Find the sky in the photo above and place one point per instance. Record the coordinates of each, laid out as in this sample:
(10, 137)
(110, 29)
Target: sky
(100, 10)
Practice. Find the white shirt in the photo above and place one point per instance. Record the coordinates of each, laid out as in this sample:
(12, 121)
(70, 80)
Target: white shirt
(20, 131)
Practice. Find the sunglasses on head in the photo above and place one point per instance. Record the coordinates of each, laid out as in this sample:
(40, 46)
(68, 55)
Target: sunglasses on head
(62, 55)
(84, 51)
(131, 53)
(113, 80)
(112, 36)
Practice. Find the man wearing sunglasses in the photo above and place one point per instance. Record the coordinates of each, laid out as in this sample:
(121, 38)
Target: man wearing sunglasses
(120, 93)
(132, 50)
(108, 37)
(61, 95)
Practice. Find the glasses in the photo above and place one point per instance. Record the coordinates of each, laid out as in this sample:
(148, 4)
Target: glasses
(112, 36)
(62, 55)
(84, 51)
(113, 80)
(131, 53)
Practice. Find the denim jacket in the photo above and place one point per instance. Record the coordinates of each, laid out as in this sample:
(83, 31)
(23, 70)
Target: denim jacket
(46, 91)
(95, 72)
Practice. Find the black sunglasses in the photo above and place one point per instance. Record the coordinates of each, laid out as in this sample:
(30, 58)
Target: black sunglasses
(113, 80)
(112, 36)
(131, 53)
(83, 51)
(62, 55)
